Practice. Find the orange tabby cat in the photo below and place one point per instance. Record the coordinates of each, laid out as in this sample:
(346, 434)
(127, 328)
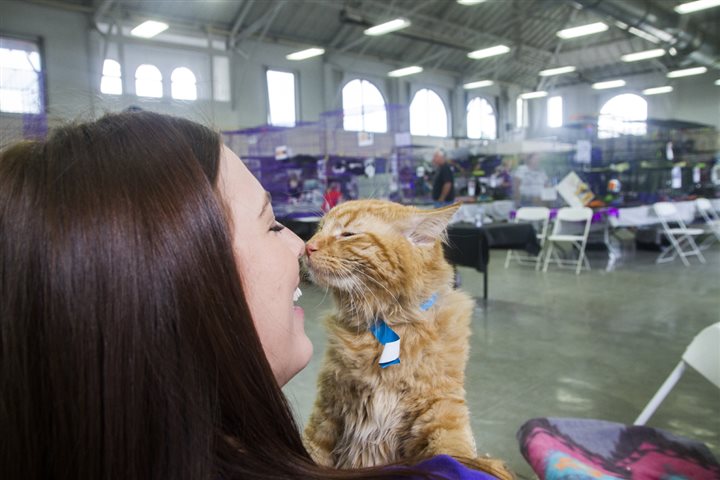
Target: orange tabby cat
(384, 262)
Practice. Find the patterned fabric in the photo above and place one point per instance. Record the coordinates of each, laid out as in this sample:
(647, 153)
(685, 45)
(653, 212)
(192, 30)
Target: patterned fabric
(575, 449)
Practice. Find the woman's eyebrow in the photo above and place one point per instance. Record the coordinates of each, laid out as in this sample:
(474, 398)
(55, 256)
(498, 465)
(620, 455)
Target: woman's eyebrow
(268, 199)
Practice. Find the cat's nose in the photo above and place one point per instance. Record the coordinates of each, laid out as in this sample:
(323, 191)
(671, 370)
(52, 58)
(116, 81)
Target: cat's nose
(310, 248)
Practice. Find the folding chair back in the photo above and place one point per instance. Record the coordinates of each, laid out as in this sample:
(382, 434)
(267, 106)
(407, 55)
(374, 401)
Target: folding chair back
(539, 217)
(703, 354)
(681, 239)
(711, 219)
(579, 241)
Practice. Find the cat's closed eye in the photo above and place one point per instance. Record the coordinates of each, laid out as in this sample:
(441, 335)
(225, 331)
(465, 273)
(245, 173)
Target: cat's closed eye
(347, 234)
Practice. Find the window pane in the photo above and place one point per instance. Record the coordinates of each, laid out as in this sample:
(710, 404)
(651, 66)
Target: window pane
(481, 119)
(427, 114)
(221, 78)
(623, 114)
(111, 85)
(111, 68)
(281, 98)
(183, 84)
(363, 107)
(148, 81)
(373, 108)
(20, 77)
(555, 112)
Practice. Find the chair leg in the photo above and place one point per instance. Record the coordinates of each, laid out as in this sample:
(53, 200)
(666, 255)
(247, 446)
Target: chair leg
(695, 248)
(539, 259)
(548, 255)
(582, 259)
(507, 258)
(657, 399)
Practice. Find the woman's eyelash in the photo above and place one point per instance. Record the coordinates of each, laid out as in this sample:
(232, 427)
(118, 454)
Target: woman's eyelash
(277, 227)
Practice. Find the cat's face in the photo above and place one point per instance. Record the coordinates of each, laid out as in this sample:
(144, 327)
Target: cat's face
(376, 249)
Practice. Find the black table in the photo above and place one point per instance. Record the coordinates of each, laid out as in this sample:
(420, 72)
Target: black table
(469, 246)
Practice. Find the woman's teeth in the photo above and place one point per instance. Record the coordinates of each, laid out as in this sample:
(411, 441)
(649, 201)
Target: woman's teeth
(297, 294)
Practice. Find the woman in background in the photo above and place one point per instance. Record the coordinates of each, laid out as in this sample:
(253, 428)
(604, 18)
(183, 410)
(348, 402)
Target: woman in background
(147, 312)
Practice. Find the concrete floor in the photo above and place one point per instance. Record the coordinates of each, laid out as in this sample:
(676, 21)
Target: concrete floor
(596, 345)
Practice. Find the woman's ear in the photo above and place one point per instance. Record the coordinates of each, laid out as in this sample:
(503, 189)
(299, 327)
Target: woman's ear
(425, 227)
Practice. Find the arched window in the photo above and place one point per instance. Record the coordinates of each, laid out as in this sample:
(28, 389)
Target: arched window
(21, 88)
(148, 81)
(428, 115)
(184, 85)
(363, 107)
(481, 119)
(111, 81)
(623, 114)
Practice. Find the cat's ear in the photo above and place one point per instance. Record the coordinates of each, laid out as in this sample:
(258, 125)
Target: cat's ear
(425, 227)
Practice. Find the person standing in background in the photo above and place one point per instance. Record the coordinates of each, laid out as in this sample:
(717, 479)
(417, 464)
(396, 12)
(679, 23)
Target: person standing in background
(443, 191)
(528, 182)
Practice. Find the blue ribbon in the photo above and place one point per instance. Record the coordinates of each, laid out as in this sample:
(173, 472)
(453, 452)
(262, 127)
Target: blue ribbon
(391, 340)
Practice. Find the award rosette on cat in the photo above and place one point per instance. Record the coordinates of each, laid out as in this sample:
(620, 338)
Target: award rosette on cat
(391, 341)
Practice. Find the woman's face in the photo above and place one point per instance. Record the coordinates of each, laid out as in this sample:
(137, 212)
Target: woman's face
(267, 254)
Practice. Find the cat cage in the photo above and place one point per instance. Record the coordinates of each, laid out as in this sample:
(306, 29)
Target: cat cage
(361, 150)
(288, 162)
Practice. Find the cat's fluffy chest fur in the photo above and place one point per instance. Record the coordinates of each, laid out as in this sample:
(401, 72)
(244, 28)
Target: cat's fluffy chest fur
(365, 415)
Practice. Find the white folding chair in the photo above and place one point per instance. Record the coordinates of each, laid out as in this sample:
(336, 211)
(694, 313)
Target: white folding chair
(539, 217)
(703, 354)
(712, 221)
(681, 237)
(559, 235)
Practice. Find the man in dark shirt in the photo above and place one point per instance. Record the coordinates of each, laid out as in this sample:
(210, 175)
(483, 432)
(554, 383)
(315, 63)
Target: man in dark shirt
(443, 185)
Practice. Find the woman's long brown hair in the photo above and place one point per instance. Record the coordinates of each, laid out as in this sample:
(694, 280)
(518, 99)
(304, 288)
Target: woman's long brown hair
(126, 342)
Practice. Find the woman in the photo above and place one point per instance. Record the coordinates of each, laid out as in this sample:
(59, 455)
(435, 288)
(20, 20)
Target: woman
(147, 320)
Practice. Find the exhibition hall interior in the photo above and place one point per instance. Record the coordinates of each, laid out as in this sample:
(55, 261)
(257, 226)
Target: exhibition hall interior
(580, 138)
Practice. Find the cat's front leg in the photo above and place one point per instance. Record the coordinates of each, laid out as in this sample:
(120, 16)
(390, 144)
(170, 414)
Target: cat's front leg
(446, 429)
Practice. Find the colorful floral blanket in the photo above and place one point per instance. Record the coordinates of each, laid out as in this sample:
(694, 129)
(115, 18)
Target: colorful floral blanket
(575, 449)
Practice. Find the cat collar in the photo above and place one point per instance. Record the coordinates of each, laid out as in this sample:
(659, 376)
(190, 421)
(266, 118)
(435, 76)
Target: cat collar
(391, 340)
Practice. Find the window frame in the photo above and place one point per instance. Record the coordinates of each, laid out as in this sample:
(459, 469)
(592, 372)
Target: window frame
(162, 81)
(561, 113)
(616, 134)
(102, 76)
(296, 84)
(195, 85)
(362, 105)
(493, 105)
(42, 77)
(448, 113)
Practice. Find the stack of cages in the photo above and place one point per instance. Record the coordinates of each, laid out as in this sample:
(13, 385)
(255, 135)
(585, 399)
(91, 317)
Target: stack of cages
(361, 151)
(288, 162)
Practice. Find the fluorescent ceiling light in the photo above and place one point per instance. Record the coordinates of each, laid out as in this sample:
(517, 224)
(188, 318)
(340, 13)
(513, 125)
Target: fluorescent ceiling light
(582, 30)
(687, 72)
(657, 90)
(470, 2)
(690, 7)
(401, 72)
(149, 29)
(557, 71)
(387, 27)
(608, 84)
(644, 35)
(488, 52)
(478, 84)
(529, 95)
(303, 54)
(717, 82)
(644, 55)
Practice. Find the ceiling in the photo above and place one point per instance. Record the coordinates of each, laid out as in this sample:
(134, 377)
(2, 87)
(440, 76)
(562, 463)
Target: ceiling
(443, 32)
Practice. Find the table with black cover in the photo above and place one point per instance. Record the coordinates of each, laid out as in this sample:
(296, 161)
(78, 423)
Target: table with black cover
(469, 246)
